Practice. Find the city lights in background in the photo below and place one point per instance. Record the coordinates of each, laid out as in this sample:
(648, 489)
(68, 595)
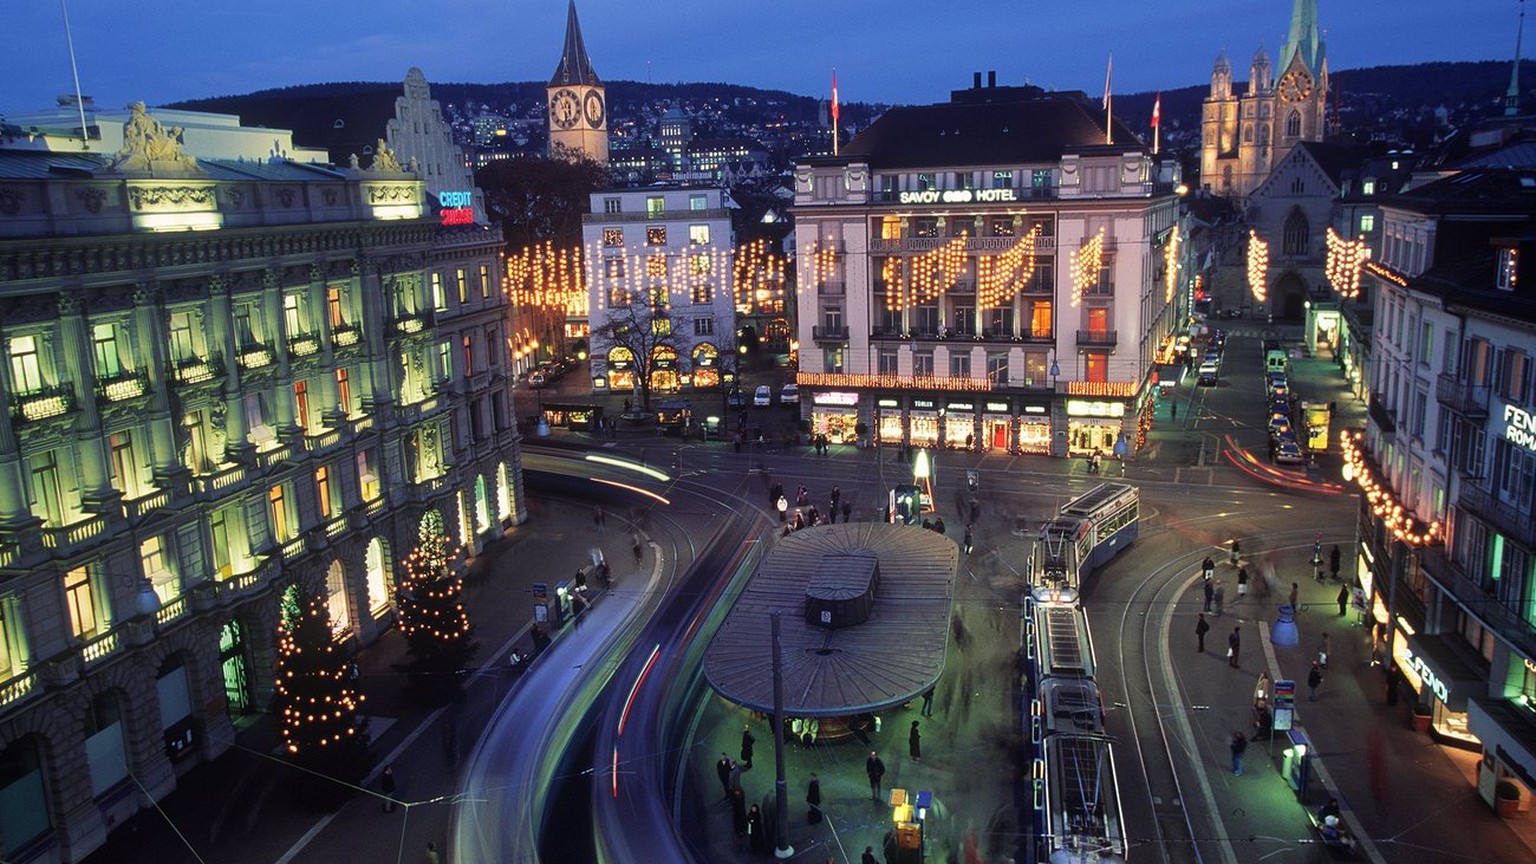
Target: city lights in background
(1258, 266)
(1346, 258)
(1086, 262)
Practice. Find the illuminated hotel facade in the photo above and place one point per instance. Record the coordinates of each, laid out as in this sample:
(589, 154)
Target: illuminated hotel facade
(987, 272)
(1447, 463)
(226, 372)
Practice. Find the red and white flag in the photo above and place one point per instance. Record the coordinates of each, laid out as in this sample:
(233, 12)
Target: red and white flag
(1157, 111)
(834, 95)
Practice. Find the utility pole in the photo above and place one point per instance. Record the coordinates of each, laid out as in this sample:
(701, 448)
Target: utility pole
(780, 793)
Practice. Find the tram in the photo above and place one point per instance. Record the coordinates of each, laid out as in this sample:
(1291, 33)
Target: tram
(1088, 531)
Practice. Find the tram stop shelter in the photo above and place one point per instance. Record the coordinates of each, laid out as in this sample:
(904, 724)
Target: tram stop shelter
(864, 621)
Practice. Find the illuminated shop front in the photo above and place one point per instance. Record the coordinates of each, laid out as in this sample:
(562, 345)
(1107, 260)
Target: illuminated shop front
(836, 415)
(996, 427)
(621, 369)
(890, 425)
(1093, 426)
(1035, 430)
(959, 425)
(1442, 680)
(664, 369)
(706, 367)
(923, 423)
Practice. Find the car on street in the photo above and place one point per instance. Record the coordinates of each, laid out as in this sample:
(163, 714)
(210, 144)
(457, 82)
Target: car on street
(538, 379)
(736, 399)
(1209, 372)
(763, 397)
(1288, 452)
(790, 394)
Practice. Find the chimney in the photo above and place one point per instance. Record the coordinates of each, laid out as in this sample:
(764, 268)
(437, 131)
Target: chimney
(992, 78)
(975, 80)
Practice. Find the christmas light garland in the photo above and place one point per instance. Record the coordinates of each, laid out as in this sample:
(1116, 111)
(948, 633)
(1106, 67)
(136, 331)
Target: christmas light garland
(1086, 263)
(1404, 525)
(1171, 264)
(1346, 258)
(1258, 266)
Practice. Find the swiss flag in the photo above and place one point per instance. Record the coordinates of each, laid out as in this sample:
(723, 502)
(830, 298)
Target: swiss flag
(1157, 111)
(835, 112)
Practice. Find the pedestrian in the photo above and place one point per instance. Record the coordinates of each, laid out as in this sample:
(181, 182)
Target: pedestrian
(869, 856)
(1324, 648)
(1173, 410)
(1314, 681)
(755, 840)
(1235, 646)
(723, 768)
(875, 769)
(938, 524)
(1261, 690)
(1097, 463)
(733, 778)
(387, 786)
(847, 511)
(638, 551)
(1202, 627)
(1343, 600)
(738, 812)
(1236, 552)
(967, 539)
(748, 741)
(1295, 592)
(813, 800)
(782, 505)
(927, 702)
(837, 495)
(1209, 586)
(801, 496)
(598, 520)
(915, 743)
(1242, 582)
(1393, 675)
(431, 857)
(1238, 745)
(1219, 596)
(1333, 562)
(1207, 568)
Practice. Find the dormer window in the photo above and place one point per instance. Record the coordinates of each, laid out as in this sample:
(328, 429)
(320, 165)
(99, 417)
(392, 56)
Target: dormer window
(1368, 187)
(1508, 270)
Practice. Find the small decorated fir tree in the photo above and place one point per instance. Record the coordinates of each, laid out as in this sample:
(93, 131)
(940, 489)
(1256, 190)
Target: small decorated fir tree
(436, 627)
(317, 705)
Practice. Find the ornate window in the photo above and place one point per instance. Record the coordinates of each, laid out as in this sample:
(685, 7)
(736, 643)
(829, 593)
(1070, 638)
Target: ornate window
(1296, 239)
(1293, 124)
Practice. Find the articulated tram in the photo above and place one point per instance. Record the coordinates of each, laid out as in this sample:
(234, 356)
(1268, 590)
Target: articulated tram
(1075, 810)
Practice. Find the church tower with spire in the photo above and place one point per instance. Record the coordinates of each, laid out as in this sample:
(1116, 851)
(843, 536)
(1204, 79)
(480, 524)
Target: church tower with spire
(1244, 137)
(578, 105)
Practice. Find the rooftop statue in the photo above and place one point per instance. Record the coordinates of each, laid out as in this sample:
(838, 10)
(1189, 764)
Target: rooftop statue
(149, 145)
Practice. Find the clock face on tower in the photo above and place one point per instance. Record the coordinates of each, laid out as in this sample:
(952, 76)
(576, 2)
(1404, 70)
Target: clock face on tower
(1294, 87)
(594, 109)
(564, 108)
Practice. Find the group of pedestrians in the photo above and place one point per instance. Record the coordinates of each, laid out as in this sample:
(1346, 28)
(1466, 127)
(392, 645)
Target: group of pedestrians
(806, 514)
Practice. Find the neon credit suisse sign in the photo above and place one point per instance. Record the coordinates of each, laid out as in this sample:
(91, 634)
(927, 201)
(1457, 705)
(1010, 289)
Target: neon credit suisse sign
(457, 207)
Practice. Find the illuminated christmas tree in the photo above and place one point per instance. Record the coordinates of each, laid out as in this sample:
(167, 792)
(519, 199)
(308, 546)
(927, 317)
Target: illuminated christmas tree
(436, 627)
(317, 704)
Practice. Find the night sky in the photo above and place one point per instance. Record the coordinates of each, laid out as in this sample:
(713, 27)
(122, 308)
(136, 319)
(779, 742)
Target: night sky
(906, 51)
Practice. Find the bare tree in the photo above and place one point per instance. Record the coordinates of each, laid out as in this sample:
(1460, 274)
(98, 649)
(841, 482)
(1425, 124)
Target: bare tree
(641, 327)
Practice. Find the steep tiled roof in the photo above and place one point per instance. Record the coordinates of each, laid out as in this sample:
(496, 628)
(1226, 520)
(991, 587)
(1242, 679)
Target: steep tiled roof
(1002, 133)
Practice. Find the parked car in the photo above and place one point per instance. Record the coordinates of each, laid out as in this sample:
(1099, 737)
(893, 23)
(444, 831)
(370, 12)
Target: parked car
(736, 399)
(763, 397)
(790, 394)
(538, 379)
(1209, 372)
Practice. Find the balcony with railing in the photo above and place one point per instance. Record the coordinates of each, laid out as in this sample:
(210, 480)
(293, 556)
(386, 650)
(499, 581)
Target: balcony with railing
(255, 355)
(1516, 522)
(829, 333)
(64, 539)
(346, 335)
(125, 385)
(1098, 338)
(1385, 420)
(411, 323)
(196, 370)
(1468, 400)
(303, 345)
(17, 688)
(138, 508)
(1476, 597)
(44, 402)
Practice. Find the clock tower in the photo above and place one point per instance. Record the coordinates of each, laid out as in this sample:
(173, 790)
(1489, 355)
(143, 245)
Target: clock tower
(578, 104)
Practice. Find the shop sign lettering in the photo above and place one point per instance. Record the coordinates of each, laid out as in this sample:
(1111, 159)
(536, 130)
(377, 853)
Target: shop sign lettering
(889, 403)
(921, 403)
(457, 207)
(998, 406)
(959, 196)
(961, 406)
(836, 398)
(1520, 427)
(1431, 680)
(1084, 408)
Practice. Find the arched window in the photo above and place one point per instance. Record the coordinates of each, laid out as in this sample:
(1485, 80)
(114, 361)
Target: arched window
(336, 598)
(1247, 133)
(1293, 124)
(376, 562)
(1296, 239)
(104, 748)
(24, 809)
(1226, 177)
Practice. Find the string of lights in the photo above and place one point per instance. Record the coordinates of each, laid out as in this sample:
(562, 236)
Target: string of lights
(1346, 258)
(1258, 266)
(1171, 264)
(1086, 263)
(1384, 505)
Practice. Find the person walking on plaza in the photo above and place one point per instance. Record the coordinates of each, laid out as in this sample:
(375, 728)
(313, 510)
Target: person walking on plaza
(1210, 593)
(813, 800)
(1343, 599)
(738, 812)
(967, 539)
(747, 743)
(847, 511)
(723, 768)
(1242, 582)
(755, 839)
(387, 786)
(875, 769)
(1237, 552)
(1333, 562)
(1235, 646)
(1238, 745)
(915, 743)
(1314, 681)
(1218, 597)
(1207, 568)
(1202, 627)
(1295, 592)
(837, 495)
(928, 702)
(1324, 648)
(869, 856)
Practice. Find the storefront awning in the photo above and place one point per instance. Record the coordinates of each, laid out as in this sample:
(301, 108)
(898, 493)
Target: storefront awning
(1508, 730)
(1449, 678)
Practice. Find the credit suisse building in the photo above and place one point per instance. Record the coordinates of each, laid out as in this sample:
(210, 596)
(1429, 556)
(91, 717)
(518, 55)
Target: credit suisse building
(995, 272)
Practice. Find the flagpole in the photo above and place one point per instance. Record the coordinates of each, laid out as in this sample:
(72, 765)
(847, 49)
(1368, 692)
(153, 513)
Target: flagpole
(1109, 102)
(69, 37)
